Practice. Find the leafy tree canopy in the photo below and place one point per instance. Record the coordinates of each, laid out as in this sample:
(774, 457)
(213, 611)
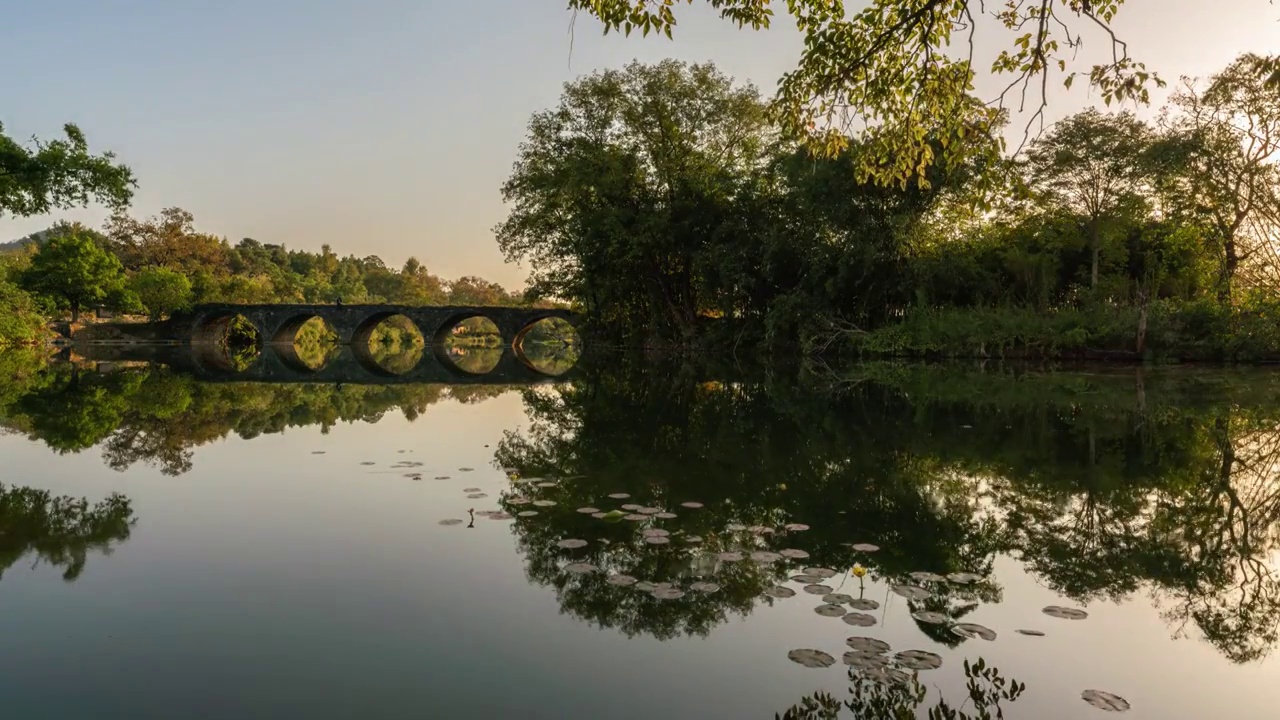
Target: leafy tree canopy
(59, 174)
(902, 70)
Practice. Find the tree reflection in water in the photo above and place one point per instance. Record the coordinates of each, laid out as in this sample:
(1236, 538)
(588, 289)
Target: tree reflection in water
(60, 531)
(1104, 486)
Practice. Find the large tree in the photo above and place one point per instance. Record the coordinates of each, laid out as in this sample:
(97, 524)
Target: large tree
(59, 174)
(1093, 163)
(170, 240)
(902, 69)
(1221, 156)
(619, 190)
(73, 271)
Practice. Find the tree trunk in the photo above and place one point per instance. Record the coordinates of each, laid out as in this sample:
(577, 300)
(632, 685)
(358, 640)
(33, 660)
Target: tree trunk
(1230, 262)
(1094, 242)
(75, 311)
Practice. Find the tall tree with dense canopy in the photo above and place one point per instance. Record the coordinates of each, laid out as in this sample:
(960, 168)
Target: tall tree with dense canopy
(619, 190)
(59, 174)
(899, 70)
(1092, 163)
(73, 271)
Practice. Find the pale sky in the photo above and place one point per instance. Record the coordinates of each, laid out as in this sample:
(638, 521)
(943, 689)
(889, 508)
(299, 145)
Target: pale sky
(387, 126)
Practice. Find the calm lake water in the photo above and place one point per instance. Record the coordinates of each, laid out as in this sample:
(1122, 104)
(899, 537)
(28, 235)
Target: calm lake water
(276, 549)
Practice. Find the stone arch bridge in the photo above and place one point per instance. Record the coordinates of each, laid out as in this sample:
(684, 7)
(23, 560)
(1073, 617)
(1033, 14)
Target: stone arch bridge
(354, 324)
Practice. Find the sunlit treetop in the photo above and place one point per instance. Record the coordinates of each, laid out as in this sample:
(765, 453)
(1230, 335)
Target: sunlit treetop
(900, 73)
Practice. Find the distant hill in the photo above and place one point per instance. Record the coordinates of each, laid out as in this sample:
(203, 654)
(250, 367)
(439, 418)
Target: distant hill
(20, 243)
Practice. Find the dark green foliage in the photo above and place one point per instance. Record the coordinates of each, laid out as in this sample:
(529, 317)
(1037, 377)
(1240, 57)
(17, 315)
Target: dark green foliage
(59, 174)
(59, 530)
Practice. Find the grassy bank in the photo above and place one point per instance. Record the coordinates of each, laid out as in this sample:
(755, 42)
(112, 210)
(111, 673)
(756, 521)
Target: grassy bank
(1171, 332)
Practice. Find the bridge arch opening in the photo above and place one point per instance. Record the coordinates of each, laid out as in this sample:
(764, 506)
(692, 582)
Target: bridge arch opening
(388, 343)
(549, 345)
(228, 343)
(469, 360)
(305, 342)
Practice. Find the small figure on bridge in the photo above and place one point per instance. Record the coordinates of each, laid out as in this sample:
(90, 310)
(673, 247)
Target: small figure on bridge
(339, 301)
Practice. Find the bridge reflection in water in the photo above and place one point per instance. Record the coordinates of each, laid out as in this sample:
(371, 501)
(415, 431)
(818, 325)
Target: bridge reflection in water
(353, 364)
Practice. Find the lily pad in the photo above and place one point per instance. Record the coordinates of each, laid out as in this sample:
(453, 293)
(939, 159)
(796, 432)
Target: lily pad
(486, 513)
(910, 592)
(667, 593)
(927, 577)
(931, 618)
(817, 589)
(613, 515)
(830, 610)
(546, 484)
(527, 513)
(693, 538)
(621, 580)
(500, 516)
(867, 644)
(666, 515)
(588, 510)
(704, 587)
(780, 592)
(811, 658)
(635, 517)
(765, 556)
(644, 586)
(865, 547)
(544, 503)
(368, 463)
(655, 532)
(820, 572)
(476, 496)
(964, 578)
(837, 598)
(451, 521)
(806, 579)
(442, 477)
(735, 527)
(1031, 633)
(649, 511)
(572, 543)
(918, 660)
(472, 489)
(729, 556)
(793, 554)
(631, 506)
(795, 527)
(465, 469)
(760, 530)
(619, 496)
(863, 660)
(898, 676)
(974, 630)
(858, 619)
(518, 500)
(600, 515)
(581, 568)
(691, 505)
(864, 604)
(657, 540)
(1105, 701)
(1064, 613)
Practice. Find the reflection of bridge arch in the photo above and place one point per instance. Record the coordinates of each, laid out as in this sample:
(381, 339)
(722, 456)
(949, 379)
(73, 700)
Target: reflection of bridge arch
(280, 364)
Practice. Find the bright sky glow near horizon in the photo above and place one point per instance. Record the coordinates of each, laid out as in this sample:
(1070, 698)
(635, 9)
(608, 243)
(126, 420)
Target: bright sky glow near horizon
(387, 126)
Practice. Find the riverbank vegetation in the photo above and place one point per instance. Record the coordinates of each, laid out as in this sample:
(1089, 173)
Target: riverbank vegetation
(1110, 236)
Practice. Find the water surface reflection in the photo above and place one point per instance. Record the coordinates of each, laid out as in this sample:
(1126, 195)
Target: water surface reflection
(708, 501)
